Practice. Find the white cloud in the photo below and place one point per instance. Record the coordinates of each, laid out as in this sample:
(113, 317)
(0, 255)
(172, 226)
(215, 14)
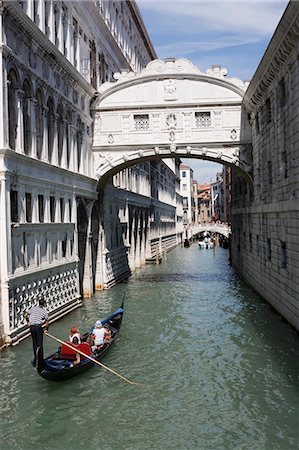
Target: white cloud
(188, 48)
(242, 17)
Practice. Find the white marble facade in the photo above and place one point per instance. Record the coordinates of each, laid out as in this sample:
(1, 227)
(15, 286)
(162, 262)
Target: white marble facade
(55, 56)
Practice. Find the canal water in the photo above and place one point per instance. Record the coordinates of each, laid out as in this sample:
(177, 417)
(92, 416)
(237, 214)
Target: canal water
(219, 369)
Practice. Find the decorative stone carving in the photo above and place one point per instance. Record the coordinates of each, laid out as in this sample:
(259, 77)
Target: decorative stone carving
(171, 67)
(172, 136)
(110, 138)
(170, 90)
(97, 124)
(233, 134)
(171, 120)
(217, 71)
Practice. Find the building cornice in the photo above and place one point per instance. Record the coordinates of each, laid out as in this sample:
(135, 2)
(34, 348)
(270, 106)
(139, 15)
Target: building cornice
(283, 42)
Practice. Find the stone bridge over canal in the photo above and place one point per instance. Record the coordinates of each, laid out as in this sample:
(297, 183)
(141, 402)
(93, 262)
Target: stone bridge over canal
(169, 110)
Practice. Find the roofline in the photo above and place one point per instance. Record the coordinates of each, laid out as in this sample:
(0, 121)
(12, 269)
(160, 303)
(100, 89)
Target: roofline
(141, 27)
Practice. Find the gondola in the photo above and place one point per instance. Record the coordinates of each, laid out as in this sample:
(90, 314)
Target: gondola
(60, 365)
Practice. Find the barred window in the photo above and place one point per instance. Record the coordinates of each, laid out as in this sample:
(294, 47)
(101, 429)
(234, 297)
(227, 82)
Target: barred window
(41, 208)
(203, 119)
(14, 211)
(28, 203)
(141, 122)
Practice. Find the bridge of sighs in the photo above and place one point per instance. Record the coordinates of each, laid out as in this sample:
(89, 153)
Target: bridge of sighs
(169, 110)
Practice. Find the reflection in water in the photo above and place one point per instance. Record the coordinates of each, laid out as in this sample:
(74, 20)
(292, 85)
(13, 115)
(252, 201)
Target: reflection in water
(220, 369)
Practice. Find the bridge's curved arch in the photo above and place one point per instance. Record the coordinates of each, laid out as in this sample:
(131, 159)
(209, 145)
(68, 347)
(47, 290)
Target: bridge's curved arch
(170, 110)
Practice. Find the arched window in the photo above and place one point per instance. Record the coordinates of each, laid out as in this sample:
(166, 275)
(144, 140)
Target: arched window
(60, 132)
(26, 117)
(39, 123)
(79, 142)
(12, 109)
(50, 126)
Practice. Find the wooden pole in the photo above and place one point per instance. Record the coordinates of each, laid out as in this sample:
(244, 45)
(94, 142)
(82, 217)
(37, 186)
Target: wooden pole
(90, 358)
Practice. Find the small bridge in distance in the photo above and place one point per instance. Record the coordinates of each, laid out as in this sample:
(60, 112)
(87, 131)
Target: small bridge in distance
(219, 228)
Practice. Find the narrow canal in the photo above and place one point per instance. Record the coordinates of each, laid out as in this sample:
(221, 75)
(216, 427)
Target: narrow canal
(219, 367)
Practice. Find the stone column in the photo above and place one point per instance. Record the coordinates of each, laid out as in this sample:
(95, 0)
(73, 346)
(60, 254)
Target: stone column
(132, 248)
(137, 250)
(47, 207)
(100, 264)
(69, 36)
(45, 151)
(20, 127)
(3, 87)
(72, 142)
(41, 9)
(64, 144)
(33, 106)
(60, 30)
(5, 253)
(22, 208)
(30, 9)
(54, 160)
(34, 206)
(52, 22)
(78, 52)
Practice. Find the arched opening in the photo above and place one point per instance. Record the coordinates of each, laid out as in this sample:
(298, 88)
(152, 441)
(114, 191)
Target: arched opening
(79, 140)
(60, 131)
(12, 108)
(39, 123)
(27, 117)
(82, 220)
(50, 126)
(68, 137)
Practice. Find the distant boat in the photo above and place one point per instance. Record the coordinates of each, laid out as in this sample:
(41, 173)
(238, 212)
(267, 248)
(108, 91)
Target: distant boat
(206, 243)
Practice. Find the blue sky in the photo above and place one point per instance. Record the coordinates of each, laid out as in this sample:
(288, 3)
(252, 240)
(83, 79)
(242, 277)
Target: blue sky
(233, 34)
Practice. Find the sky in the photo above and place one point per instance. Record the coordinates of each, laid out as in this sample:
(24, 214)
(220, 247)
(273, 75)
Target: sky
(234, 34)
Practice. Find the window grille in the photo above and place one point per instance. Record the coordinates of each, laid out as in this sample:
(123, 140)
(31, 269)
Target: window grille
(141, 122)
(203, 119)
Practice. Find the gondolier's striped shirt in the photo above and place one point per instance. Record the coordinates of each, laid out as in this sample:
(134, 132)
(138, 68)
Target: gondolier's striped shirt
(37, 315)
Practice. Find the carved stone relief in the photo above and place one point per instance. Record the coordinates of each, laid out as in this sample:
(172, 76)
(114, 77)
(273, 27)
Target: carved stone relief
(170, 90)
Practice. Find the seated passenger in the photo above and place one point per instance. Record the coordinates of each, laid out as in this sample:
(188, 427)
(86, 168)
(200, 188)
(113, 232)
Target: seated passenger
(98, 333)
(75, 338)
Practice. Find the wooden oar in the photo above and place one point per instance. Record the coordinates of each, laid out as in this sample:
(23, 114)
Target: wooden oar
(90, 358)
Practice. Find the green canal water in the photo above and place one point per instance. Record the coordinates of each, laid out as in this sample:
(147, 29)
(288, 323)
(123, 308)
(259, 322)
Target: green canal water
(219, 370)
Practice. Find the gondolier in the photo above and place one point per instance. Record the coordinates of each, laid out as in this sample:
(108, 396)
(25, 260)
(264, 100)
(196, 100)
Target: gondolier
(37, 316)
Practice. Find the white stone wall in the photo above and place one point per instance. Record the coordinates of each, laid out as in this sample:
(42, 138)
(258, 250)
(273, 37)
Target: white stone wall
(265, 243)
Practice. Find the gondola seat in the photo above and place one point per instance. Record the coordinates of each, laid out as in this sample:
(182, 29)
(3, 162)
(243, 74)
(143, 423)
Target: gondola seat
(70, 354)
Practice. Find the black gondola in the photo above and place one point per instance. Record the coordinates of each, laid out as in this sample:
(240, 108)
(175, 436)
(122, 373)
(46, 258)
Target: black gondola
(60, 367)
